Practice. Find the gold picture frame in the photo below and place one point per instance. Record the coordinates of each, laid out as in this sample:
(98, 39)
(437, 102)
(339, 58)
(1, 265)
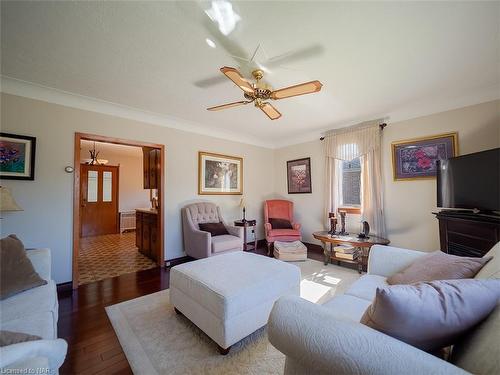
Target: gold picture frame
(415, 159)
(219, 174)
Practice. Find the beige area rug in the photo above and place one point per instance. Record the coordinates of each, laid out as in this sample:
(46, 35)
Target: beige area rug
(158, 341)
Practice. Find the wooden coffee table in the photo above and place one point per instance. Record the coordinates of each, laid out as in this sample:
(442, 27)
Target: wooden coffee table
(364, 244)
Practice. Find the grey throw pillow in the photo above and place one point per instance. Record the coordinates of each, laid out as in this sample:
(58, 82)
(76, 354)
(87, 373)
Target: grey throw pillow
(439, 266)
(16, 271)
(9, 338)
(434, 314)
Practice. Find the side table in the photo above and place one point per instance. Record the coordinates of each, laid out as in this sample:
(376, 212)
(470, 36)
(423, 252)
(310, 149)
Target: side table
(364, 245)
(247, 224)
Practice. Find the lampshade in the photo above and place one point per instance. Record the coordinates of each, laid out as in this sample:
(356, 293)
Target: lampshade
(7, 202)
(242, 202)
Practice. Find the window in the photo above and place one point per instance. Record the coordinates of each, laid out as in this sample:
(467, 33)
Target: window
(351, 183)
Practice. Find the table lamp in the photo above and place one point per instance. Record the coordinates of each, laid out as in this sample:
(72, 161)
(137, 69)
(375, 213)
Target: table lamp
(7, 202)
(242, 205)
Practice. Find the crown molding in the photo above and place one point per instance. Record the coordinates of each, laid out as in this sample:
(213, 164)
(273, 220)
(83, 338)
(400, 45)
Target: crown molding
(31, 90)
(415, 110)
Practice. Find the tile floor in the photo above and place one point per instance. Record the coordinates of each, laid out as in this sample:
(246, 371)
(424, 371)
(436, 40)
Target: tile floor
(110, 255)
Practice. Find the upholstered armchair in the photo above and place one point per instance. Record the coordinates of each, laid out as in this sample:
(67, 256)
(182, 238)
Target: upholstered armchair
(280, 209)
(200, 244)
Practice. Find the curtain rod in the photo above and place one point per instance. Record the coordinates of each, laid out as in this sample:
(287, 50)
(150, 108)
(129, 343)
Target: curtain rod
(381, 126)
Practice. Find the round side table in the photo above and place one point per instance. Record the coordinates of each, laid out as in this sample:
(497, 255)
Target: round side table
(247, 224)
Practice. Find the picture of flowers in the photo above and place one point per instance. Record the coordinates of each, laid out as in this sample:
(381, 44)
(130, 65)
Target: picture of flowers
(17, 157)
(219, 174)
(299, 176)
(416, 158)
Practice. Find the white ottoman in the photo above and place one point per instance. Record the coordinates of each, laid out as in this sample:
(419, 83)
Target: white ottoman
(290, 251)
(229, 296)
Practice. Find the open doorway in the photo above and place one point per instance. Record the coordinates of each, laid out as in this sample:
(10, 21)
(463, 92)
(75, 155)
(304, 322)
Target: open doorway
(118, 207)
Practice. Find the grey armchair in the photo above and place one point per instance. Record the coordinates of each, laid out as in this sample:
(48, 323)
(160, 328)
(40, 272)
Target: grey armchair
(199, 244)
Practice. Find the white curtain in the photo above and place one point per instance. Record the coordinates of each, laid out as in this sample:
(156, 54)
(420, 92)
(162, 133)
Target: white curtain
(361, 141)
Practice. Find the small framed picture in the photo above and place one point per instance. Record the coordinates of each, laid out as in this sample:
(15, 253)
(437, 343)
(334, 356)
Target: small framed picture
(219, 174)
(415, 159)
(299, 176)
(17, 157)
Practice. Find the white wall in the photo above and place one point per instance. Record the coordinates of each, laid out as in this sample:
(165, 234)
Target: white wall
(131, 192)
(47, 201)
(408, 204)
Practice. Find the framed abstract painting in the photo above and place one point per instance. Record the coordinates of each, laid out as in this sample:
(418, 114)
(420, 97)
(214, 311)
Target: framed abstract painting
(219, 174)
(17, 157)
(299, 176)
(416, 158)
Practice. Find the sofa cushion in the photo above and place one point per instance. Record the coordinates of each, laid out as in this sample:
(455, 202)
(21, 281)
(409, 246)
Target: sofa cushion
(366, 287)
(492, 269)
(30, 302)
(478, 352)
(284, 232)
(434, 314)
(215, 229)
(226, 242)
(16, 271)
(11, 337)
(348, 307)
(438, 266)
(43, 324)
(230, 284)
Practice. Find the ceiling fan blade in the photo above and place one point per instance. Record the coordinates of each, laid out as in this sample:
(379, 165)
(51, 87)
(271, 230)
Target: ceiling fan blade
(237, 78)
(301, 89)
(228, 105)
(270, 111)
(211, 81)
(297, 55)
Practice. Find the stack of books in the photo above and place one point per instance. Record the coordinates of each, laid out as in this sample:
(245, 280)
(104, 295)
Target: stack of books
(346, 252)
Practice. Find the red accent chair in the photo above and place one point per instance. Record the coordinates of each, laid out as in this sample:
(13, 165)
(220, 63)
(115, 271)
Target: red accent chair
(280, 209)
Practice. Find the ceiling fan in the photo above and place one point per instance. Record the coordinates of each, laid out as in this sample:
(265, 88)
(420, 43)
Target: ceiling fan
(259, 92)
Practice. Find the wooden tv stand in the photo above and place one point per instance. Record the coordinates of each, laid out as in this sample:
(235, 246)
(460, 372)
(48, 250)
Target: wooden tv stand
(467, 234)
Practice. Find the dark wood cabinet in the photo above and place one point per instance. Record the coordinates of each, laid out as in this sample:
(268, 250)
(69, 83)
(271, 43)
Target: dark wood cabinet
(146, 235)
(467, 234)
(151, 167)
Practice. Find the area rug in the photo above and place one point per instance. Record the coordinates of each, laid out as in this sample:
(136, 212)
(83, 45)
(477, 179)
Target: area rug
(158, 341)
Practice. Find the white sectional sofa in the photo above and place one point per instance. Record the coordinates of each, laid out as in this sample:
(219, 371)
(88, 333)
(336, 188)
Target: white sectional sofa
(328, 338)
(34, 312)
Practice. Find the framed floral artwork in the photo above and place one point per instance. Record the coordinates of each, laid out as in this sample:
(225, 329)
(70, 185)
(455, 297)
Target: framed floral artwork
(416, 158)
(299, 176)
(219, 174)
(17, 157)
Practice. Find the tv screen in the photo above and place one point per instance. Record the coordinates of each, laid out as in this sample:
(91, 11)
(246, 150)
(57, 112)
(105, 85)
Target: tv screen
(470, 181)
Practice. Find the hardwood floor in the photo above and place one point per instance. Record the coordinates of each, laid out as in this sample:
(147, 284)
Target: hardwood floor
(83, 323)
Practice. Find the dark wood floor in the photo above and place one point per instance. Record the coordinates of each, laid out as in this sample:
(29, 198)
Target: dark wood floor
(84, 324)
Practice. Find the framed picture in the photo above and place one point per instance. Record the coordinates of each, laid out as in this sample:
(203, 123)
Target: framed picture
(219, 174)
(17, 157)
(299, 176)
(416, 158)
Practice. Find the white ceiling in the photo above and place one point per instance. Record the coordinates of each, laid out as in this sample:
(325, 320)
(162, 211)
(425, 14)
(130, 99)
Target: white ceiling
(375, 60)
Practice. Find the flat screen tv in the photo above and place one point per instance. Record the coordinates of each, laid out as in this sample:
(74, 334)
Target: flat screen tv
(470, 181)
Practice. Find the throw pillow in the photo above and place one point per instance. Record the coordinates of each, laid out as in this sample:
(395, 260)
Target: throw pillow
(9, 338)
(215, 229)
(280, 223)
(432, 315)
(16, 271)
(438, 266)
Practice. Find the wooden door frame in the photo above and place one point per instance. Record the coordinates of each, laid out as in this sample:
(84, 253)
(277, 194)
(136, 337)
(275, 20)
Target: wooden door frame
(76, 193)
